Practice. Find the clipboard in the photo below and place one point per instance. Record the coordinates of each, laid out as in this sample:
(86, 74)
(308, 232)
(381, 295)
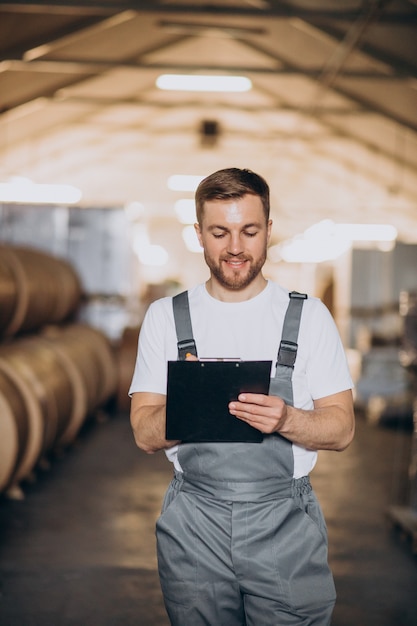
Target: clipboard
(198, 394)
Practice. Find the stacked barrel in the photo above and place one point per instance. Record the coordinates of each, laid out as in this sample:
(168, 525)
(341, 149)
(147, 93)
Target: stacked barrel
(54, 371)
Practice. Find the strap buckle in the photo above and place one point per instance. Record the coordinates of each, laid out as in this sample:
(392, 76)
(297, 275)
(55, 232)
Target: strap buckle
(298, 295)
(185, 346)
(287, 353)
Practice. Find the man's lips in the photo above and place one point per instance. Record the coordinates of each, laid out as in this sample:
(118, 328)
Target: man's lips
(235, 262)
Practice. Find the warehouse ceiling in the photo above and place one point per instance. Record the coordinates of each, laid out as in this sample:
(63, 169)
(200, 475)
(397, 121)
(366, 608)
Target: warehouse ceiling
(330, 121)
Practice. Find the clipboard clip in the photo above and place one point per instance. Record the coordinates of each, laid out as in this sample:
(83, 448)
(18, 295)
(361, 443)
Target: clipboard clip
(222, 359)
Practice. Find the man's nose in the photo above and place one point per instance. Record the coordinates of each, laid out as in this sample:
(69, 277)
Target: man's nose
(235, 244)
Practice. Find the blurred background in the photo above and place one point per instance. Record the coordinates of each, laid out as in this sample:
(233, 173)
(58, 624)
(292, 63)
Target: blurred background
(111, 112)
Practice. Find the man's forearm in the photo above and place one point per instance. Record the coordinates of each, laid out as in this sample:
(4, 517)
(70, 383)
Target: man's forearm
(148, 424)
(326, 428)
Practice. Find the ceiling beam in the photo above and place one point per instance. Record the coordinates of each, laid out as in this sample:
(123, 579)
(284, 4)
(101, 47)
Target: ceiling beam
(88, 66)
(61, 33)
(198, 104)
(335, 64)
(370, 105)
(399, 65)
(271, 9)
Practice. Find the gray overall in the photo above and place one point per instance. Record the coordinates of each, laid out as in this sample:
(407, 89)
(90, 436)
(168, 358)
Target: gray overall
(239, 540)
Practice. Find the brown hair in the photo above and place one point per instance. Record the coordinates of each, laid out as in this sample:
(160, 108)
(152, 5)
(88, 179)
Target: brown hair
(231, 183)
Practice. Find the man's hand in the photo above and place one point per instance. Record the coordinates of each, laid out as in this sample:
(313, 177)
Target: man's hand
(265, 413)
(329, 426)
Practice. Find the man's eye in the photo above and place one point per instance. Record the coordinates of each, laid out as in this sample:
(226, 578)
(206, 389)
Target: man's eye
(251, 234)
(218, 235)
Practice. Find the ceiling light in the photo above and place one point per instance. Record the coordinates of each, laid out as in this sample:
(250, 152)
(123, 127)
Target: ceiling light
(198, 82)
(302, 250)
(24, 191)
(185, 210)
(353, 232)
(183, 182)
(326, 241)
(367, 232)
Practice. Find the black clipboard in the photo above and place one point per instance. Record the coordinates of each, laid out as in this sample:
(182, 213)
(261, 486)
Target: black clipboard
(198, 394)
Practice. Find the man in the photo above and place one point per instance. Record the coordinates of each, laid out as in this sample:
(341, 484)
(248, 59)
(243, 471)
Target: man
(241, 539)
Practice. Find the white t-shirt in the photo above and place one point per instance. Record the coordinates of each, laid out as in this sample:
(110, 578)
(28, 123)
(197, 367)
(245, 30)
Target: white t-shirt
(249, 330)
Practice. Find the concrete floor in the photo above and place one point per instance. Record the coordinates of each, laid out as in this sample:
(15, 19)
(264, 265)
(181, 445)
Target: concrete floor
(79, 550)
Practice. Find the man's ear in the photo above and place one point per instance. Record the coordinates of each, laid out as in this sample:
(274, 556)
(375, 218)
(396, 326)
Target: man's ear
(198, 233)
(269, 229)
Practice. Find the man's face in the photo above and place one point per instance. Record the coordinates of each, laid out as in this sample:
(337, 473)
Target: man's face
(234, 235)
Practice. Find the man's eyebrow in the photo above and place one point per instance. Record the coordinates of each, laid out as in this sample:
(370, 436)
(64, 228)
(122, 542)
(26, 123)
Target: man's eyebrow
(253, 225)
(218, 226)
(226, 228)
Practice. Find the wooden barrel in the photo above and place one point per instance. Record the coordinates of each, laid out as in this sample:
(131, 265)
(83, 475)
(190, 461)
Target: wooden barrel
(49, 384)
(9, 440)
(104, 355)
(79, 406)
(126, 357)
(80, 354)
(47, 289)
(68, 290)
(21, 441)
(35, 362)
(8, 294)
(92, 353)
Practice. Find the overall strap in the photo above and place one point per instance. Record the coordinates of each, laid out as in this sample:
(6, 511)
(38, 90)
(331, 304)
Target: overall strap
(185, 337)
(281, 384)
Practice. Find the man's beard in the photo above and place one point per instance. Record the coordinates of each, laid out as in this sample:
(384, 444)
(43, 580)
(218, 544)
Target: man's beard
(237, 280)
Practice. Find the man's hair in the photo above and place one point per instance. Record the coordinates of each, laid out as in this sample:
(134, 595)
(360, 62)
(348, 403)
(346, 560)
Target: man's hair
(228, 184)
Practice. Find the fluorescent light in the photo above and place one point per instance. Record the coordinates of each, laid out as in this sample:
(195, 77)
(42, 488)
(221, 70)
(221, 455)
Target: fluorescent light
(198, 82)
(183, 182)
(190, 239)
(367, 232)
(185, 210)
(24, 191)
(353, 232)
(309, 251)
(326, 241)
